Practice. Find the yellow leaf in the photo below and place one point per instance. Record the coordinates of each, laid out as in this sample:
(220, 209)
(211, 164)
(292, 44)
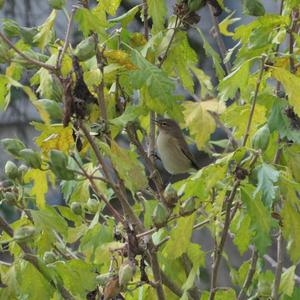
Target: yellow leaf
(199, 121)
(120, 57)
(214, 105)
(54, 136)
(40, 185)
(225, 24)
(291, 85)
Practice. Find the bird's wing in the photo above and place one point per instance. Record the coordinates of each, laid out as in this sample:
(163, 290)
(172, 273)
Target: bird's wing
(186, 151)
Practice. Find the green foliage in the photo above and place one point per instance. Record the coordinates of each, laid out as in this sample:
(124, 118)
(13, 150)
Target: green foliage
(120, 227)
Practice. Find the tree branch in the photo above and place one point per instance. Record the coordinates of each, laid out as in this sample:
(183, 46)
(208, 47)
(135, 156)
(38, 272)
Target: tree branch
(219, 38)
(29, 59)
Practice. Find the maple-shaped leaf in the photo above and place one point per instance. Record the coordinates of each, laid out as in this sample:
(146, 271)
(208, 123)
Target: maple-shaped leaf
(267, 177)
(199, 121)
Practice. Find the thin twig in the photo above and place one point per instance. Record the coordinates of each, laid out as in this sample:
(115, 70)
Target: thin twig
(67, 38)
(279, 267)
(98, 193)
(295, 15)
(170, 42)
(29, 59)
(228, 132)
(220, 247)
(258, 82)
(219, 38)
(249, 277)
(118, 188)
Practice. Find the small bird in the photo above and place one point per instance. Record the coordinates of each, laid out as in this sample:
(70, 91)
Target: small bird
(173, 149)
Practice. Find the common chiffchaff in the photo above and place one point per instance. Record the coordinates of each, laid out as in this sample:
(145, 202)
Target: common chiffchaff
(173, 149)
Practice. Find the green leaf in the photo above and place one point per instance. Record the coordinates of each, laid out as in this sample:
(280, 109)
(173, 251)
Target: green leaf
(48, 219)
(12, 146)
(235, 113)
(261, 220)
(129, 168)
(213, 54)
(111, 6)
(236, 80)
(131, 113)
(157, 10)
(204, 80)
(267, 178)
(294, 296)
(78, 276)
(278, 120)
(127, 17)
(179, 60)
(157, 81)
(91, 20)
(291, 229)
(179, 238)
(288, 281)
(29, 275)
(44, 36)
(290, 83)
(95, 237)
(242, 233)
(253, 8)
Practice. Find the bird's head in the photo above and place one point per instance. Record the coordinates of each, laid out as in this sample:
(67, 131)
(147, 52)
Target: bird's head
(167, 125)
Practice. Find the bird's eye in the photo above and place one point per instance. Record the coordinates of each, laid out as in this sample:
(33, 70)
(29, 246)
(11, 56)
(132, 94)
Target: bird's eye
(164, 123)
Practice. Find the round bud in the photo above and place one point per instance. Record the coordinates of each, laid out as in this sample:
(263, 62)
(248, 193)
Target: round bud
(187, 207)
(76, 208)
(49, 257)
(11, 170)
(160, 215)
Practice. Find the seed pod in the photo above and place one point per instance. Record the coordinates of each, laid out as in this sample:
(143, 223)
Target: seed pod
(32, 158)
(11, 170)
(86, 49)
(12, 146)
(76, 208)
(56, 4)
(160, 215)
(261, 138)
(170, 195)
(187, 207)
(11, 28)
(112, 288)
(59, 165)
(92, 205)
(10, 198)
(24, 234)
(102, 279)
(49, 257)
(126, 272)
